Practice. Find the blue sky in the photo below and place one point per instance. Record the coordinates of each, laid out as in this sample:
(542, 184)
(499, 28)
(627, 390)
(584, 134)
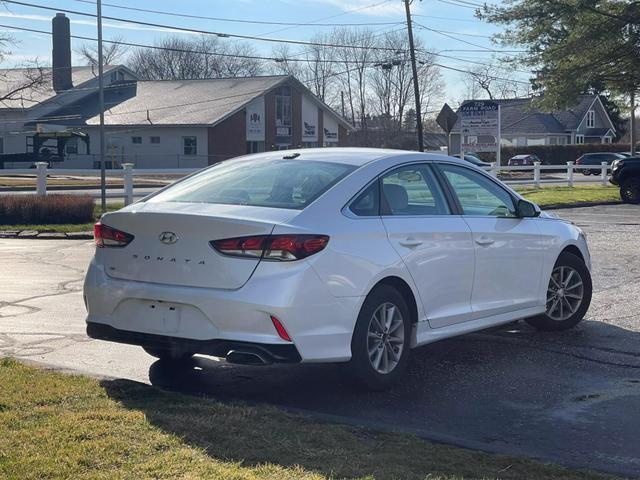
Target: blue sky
(452, 18)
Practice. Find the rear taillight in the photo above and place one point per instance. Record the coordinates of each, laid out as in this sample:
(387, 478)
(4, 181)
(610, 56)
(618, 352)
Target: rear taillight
(578, 161)
(106, 236)
(272, 247)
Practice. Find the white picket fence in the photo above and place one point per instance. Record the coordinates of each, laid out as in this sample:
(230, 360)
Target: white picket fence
(567, 175)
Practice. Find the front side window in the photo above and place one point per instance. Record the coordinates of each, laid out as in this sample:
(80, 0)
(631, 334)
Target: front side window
(477, 194)
(412, 190)
(274, 183)
(190, 145)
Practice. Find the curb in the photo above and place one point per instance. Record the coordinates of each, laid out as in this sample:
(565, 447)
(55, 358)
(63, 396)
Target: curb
(63, 188)
(45, 235)
(564, 206)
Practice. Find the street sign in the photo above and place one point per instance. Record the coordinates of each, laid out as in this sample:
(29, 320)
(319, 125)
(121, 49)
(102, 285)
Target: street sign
(480, 126)
(446, 118)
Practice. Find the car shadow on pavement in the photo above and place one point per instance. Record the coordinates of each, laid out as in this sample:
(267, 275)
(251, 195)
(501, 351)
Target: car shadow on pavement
(569, 397)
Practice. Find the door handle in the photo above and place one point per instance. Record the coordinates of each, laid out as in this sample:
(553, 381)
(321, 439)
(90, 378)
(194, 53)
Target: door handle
(483, 240)
(410, 242)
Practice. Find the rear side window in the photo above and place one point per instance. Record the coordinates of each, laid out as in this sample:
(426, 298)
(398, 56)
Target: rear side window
(367, 204)
(412, 190)
(278, 183)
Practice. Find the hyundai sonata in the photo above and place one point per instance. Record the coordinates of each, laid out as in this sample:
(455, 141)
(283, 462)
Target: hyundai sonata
(331, 255)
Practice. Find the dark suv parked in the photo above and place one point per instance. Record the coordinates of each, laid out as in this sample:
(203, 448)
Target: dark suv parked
(596, 159)
(626, 174)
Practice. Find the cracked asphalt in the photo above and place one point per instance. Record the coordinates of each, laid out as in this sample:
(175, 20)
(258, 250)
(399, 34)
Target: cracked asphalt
(571, 398)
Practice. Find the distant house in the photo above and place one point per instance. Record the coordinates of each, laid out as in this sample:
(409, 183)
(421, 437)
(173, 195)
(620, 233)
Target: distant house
(156, 124)
(523, 124)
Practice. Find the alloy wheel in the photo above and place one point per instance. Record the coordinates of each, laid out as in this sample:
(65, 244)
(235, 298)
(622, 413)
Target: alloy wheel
(385, 338)
(564, 293)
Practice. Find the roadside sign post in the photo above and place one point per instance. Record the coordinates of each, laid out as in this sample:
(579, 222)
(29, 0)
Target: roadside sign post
(480, 127)
(446, 119)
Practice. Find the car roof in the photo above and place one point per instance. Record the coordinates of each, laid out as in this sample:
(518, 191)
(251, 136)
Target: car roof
(355, 156)
(523, 155)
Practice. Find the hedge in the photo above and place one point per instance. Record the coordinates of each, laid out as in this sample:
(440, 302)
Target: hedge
(558, 154)
(52, 209)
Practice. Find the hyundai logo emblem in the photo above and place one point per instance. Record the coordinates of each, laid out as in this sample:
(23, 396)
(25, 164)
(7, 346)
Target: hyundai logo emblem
(168, 238)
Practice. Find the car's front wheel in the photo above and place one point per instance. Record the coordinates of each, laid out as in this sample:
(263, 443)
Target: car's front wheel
(381, 339)
(568, 295)
(168, 354)
(630, 190)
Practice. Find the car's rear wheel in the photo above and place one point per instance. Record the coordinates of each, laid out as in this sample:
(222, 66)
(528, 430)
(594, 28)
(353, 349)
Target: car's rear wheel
(630, 190)
(168, 354)
(586, 172)
(381, 339)
(568, 295)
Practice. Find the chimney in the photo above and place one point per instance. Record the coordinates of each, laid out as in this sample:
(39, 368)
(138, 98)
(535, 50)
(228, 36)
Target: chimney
(61, 54)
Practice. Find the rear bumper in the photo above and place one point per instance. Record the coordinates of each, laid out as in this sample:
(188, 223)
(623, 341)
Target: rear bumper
(220, 348)
(208, 320)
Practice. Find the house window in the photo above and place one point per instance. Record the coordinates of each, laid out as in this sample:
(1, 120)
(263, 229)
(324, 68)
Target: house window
(154, 140)
(71, 147)
(591, 119)
(579, 139)
(136, 140)
(283, 107)
(190, 145)
(255, 147)
(606, 140)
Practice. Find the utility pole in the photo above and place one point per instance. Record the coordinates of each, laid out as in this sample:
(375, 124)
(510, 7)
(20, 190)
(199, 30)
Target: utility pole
(103, 175)
(342, 98)
(632, 129)
(416, 87)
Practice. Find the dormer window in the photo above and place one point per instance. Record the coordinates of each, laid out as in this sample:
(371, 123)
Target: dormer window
(591, 119)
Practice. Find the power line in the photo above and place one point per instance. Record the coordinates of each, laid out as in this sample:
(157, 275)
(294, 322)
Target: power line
(234, 20)
(314, 22)
(203, 32)
(184, 50)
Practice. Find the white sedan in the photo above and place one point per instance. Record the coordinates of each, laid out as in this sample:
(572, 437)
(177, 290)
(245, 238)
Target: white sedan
(331, 255)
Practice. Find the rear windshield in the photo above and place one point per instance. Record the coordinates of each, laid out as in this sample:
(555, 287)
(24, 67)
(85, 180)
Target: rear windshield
(275, 183)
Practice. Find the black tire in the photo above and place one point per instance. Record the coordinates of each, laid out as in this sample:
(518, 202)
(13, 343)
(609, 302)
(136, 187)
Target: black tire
(546, 322)
(586, 172)
(168, 355)
(630, 190)
(360, 365)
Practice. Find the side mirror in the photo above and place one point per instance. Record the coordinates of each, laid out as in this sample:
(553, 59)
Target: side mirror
(526, 209)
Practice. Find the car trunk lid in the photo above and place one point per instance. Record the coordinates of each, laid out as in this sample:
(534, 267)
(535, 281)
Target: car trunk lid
(171, 243)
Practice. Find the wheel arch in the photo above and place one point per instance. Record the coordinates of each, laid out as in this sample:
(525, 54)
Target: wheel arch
(573, 249)
(405, 290)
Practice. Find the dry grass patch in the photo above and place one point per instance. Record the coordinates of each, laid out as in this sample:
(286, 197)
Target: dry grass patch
(60, 426)
(52, 209)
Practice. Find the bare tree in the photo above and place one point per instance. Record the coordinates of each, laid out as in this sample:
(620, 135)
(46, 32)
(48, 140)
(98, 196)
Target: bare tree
(354, 60)
(18, 85)
(112, 53)
(492, 81)
(206, 57)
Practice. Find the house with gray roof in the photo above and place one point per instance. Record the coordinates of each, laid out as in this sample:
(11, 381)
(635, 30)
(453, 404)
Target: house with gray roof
(523, 124)
(155, 124)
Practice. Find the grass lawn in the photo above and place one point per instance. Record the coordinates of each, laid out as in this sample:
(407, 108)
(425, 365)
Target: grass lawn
(553, 195)
(66, 227)
(54, 425)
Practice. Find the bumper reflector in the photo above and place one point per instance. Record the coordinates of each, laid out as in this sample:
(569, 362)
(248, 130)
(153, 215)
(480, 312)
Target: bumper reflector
(282, 333)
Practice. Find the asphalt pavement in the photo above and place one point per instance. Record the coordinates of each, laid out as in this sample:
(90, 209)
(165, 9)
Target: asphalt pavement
(571, 398)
